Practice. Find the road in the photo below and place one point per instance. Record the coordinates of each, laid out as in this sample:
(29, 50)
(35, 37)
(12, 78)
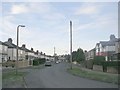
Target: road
(57, 77)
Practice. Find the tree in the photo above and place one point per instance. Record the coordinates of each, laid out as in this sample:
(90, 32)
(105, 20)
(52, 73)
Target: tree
(67, 57)
(78, 55)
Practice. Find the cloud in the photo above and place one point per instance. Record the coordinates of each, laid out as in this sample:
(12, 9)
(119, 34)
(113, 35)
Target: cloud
(18, 9)
(54, 16)
(105, 22)
(40, 7)
(30, 8)
(87, 9)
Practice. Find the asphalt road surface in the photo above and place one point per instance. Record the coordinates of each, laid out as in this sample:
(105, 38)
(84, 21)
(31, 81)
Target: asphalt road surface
(57, 77)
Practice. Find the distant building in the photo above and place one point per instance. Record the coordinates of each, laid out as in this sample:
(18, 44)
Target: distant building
(106, 48)
(3, 52)
(61, 57)
(90, 54)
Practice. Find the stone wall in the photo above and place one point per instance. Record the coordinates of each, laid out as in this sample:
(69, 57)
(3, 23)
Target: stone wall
(98, 68)
(112, 70)
(20, 64)
(23, 64)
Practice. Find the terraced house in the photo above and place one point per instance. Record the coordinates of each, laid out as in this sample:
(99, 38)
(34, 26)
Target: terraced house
(3, 52)
(12, 51)
(29, 55)
(11, 54)
(25, 56)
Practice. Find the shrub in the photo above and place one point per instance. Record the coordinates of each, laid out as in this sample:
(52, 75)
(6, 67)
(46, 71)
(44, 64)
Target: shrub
(35, 62)
(111, 63)
(114, 64)
(89, 64)
(98, 60)
(41, 60)
(38, 61)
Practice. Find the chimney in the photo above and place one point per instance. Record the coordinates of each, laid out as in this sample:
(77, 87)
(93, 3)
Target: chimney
(37, 51)
(85, 51)
(23, 45)
(41, 53)
(31, 49)
(10, 40)
(112, 37)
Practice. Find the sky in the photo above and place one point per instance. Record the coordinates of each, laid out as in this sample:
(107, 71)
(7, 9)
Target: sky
(47, 24)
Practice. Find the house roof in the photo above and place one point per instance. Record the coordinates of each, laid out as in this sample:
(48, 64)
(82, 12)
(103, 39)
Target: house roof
(27, 50)
(3, 43)
(11, 45)
(92, 49)
(107, 43)
(111, 42)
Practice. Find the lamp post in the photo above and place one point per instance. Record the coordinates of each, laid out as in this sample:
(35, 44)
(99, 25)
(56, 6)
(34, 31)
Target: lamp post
(17, 46)
(71, 44)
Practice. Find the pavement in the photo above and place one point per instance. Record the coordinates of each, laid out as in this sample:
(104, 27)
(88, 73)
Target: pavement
(56, 76)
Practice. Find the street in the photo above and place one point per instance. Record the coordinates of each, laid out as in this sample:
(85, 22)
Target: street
(57, 77)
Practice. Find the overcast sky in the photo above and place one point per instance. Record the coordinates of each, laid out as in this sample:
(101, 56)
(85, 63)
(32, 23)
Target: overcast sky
(47, 24)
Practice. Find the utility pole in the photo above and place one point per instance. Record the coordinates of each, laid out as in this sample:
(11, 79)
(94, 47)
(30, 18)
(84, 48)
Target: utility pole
(54, 51)
(71, 44)
(54, 54)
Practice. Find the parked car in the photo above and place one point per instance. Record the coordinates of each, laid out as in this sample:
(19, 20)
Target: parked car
(48, 63)
(57, 62)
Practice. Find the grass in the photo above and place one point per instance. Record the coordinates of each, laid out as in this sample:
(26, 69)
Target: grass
(10, 79)
(12, 74)
(105, 77)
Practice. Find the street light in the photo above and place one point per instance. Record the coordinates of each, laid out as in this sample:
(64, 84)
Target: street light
(17, 46)
(71, 44)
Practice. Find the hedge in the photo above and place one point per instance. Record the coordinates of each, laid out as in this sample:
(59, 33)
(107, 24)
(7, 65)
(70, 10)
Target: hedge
(98, 60)
(38, 61)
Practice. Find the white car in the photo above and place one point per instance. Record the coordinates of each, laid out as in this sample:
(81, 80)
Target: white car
(48, 63)
(57, 62)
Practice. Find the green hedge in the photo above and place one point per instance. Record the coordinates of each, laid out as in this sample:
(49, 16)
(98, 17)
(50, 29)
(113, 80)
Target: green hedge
(114, 64)
(38, 61)
(98, 60)
(111, 63)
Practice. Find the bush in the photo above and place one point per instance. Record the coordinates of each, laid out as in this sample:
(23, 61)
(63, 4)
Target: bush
(38, 61)
(114, 64)
(35, 62)
(98, 60)
(89, 64)
(83, 63)
(111, 63)
(41, 60)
